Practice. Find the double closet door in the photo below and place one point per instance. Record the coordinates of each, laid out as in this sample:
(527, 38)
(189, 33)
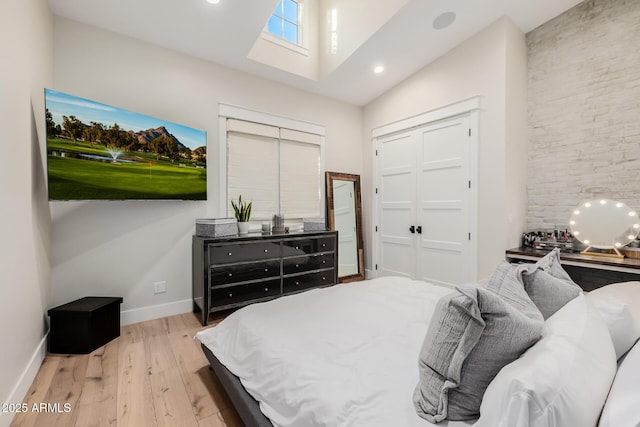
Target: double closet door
(426, 202)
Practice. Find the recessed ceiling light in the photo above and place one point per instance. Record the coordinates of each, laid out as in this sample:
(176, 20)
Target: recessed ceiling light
(213, 1)
(378, 69)
(443, 20)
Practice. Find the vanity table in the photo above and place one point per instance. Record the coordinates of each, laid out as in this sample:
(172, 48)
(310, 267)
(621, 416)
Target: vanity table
(588, 271)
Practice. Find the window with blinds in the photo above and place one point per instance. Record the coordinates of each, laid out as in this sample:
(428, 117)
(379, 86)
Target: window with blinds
(278, 169)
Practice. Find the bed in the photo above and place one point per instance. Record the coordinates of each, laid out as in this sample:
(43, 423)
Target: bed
(354, 355)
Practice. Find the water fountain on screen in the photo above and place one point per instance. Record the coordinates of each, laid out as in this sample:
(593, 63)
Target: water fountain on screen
(114, 152)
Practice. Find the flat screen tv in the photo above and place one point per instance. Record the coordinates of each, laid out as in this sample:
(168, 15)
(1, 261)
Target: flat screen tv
(99, 152)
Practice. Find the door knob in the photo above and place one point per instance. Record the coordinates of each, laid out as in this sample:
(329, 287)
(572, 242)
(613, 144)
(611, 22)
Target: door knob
(412, 229)
(419, 229)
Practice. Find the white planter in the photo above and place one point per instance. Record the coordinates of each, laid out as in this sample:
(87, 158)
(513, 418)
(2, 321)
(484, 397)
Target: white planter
(243, 227)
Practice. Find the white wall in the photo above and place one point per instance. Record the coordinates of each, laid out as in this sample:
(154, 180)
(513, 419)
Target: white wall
(492, 65)
(355, 22)
(516, 201)
(121, 248)
(25, 31)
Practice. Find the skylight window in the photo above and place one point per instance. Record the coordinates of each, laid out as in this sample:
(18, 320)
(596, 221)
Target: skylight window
(285, 21)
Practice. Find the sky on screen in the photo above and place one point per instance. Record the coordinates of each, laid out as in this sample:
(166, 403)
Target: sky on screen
(87, 111)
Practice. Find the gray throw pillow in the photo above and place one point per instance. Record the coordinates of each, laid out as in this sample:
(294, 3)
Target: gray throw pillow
(551, 264)
(548, 284)
(547, 292)
(473, 333)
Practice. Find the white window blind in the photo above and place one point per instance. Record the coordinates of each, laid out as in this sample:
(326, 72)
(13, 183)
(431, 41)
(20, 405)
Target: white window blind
(278, 169)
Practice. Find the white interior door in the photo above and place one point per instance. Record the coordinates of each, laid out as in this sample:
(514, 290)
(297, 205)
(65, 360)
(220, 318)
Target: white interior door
(396, 205)
(443, 197)
(426, 203)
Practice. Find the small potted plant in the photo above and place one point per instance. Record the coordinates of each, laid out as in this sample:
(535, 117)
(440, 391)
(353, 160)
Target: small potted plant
(243, 214)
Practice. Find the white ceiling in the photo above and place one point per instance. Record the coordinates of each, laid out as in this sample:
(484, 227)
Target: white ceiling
(225, 33)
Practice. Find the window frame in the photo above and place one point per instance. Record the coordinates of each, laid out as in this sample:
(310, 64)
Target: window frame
(301, 47)
(227, 111)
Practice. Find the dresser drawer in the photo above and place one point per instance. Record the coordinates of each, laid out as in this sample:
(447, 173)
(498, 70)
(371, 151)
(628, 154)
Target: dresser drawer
(244, 293)
(307, 281)
(307, 263)
(235, 273)
(240, 252)
(307, 246)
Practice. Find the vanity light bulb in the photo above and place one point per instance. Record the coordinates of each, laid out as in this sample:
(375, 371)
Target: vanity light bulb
(636, 226)
(576, 212)
(603, 202)
(576, 233)
(632, 214)
(586, 242)
(618, 244)
(619, 205)
(631, 237)
(572, 223)
(587, 205)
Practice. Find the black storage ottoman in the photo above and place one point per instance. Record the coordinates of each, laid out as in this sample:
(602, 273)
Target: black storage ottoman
(83, 325)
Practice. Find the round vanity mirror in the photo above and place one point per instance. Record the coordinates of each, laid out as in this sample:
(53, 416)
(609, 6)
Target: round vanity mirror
(604, 224)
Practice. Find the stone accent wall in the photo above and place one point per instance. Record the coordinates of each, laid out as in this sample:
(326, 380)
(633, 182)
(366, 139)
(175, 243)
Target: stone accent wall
(583, 110)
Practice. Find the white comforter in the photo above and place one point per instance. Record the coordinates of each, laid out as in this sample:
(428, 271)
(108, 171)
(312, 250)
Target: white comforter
(340, 356)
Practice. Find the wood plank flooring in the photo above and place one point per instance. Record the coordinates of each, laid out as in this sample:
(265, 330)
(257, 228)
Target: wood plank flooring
(154, 374)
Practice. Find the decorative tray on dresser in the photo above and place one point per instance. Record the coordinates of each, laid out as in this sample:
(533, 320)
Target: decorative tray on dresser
(234, 271)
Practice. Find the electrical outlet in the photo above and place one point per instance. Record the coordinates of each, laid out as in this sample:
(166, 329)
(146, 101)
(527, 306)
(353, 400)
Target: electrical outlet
(160, 287)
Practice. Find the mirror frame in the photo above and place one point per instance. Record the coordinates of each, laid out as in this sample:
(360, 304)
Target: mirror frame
(329, 178)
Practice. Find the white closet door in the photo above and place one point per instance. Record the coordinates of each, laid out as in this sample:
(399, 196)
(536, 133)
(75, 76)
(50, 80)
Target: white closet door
(397, 205)
(425, 204)
(443, 211)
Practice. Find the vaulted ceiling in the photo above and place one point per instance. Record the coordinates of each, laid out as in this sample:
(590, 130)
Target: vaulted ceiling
(405, 41)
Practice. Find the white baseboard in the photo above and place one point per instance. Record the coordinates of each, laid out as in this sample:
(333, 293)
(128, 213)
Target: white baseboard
(143, 314)
(26, 379)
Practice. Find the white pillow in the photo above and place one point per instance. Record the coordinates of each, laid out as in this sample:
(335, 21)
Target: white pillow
(619, 305)
(621, 409)
(563, 380)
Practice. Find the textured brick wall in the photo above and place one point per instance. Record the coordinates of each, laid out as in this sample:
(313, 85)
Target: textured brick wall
(583, 110)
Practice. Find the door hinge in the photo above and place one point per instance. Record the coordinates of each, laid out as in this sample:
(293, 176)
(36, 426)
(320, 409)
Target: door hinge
(376, 266)
(376, 228)
(469, 131)
(376, 190)
(376, 152)
(469, 236)
(469, 183)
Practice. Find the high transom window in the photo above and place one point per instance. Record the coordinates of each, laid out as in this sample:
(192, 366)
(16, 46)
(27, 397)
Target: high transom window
(285, 21)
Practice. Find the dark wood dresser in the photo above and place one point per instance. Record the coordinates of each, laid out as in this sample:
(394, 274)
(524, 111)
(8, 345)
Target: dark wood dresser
(234, 271)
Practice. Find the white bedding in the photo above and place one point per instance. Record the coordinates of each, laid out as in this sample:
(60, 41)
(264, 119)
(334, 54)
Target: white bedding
(340, 356)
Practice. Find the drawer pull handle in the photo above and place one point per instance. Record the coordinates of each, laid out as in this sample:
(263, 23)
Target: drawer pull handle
(230, 295)
(297, 265)
(230, 274)
(297, 283)
(324, 261)
(229, 254)
(324, 278)
(266, 250)
(297, 247)
(266, 269)
(266, 289)
(324, 244)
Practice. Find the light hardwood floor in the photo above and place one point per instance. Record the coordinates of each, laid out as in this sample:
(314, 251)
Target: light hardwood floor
(154, 374)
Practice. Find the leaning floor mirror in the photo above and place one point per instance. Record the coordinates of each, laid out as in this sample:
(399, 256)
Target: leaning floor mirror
(344, 213)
